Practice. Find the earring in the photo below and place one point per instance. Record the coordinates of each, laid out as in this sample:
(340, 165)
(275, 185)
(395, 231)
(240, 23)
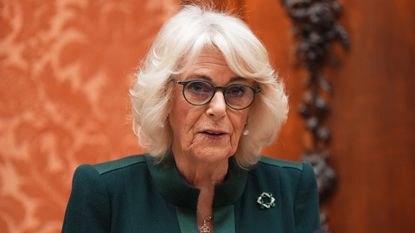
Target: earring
(246, 132)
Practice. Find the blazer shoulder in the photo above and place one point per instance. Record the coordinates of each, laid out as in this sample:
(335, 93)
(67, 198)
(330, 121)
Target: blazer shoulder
(118, 164)
(282, 163)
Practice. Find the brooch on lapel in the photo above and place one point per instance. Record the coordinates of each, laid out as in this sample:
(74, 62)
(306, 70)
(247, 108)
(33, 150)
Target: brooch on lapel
(266, 200)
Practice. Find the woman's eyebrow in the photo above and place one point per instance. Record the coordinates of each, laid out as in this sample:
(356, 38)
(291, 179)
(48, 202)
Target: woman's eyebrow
(198, 77)
(207, 78)
(237, 78)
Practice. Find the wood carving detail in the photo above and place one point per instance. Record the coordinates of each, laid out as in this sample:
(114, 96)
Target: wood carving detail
(315, 29)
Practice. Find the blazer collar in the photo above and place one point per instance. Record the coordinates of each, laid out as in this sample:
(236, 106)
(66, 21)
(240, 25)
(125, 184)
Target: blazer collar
(174, 188)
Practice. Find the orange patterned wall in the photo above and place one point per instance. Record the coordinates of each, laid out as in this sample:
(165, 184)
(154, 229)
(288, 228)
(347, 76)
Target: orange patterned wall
(65, 70)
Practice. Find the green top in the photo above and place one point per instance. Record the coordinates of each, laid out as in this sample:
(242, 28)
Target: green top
(136, 194)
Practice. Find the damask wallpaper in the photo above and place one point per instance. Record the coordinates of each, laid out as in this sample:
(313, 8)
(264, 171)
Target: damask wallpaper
(66, 67)
(65, 70)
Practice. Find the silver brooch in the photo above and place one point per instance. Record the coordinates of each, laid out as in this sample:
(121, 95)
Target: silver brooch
(266, 200)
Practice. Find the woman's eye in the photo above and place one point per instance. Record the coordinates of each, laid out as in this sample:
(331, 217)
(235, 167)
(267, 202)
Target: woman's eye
(199, 87)
(236, 91)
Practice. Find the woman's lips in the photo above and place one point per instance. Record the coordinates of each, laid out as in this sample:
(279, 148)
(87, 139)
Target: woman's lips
(214, 134)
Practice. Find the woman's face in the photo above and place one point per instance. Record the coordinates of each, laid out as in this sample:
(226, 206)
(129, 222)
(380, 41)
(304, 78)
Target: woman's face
(208, 133)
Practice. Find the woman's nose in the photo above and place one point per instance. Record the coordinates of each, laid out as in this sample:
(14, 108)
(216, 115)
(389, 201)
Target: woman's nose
(217, 106)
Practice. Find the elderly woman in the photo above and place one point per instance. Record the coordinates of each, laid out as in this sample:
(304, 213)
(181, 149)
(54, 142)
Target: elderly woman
(205, 102)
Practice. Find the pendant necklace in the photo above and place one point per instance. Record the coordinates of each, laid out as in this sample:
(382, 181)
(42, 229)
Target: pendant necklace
(205, 227)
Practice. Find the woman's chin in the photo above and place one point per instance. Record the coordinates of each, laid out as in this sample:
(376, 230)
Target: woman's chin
(212, 154)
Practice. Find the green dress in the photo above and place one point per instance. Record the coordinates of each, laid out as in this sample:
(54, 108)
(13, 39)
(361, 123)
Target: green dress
(137, 195)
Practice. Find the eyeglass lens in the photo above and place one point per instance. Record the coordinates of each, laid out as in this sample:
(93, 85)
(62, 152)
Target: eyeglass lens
(237, 96)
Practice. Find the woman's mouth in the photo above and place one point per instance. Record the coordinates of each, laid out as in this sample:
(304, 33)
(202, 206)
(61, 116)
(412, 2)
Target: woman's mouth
(214, 134)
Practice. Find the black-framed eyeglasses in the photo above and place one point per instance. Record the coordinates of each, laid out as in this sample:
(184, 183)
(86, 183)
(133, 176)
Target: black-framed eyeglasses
(201, 92)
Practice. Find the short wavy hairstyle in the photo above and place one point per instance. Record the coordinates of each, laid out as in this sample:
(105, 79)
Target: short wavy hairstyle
(176, 46)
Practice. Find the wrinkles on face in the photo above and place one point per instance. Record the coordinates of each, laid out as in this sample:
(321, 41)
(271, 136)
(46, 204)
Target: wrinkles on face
(210, 132)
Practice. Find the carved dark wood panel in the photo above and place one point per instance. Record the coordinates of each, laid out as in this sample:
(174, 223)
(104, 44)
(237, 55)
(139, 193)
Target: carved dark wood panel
(315, 28)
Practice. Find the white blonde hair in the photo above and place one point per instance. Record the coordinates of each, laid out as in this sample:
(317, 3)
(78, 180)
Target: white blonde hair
(182, 38)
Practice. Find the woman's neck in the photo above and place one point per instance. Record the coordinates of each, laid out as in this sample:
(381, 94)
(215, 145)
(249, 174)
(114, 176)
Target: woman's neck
(201, 174)
(204, 176)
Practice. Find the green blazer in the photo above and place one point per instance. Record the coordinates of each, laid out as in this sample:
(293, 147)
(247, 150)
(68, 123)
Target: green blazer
(137, 195)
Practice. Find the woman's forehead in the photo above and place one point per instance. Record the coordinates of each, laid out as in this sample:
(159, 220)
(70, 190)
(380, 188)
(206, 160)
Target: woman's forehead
(211, 57)
(211, 65)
